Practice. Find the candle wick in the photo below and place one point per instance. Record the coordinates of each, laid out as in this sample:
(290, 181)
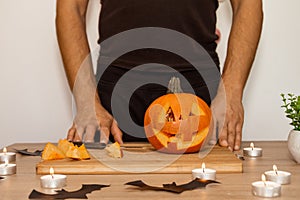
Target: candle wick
(6, 163)
(265, 183)
(276, 172)
(203, 169)
(52, 176)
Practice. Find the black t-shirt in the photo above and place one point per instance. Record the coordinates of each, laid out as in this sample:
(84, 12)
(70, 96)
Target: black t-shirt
(194, 18)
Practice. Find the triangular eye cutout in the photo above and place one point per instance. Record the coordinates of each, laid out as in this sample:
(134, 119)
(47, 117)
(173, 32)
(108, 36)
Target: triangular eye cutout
(170, 115)
(191, 114)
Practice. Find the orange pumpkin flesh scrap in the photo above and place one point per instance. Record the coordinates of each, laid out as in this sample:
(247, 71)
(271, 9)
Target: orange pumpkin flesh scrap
(73, 153)
(64, 145)
(114, 150)
(52, 152)
(68, 150)
(84, 155)
(77, 153)
(177, 123)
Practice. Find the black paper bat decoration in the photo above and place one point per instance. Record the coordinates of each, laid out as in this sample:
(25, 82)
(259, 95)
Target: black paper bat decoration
(196, 183)
(1, 178)
(28, 153)
(63, 194)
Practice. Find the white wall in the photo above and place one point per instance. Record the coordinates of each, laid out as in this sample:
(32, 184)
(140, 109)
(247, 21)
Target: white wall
(35, 100)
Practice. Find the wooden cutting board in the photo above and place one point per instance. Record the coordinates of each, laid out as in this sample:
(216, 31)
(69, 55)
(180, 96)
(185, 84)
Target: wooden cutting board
(142, 158)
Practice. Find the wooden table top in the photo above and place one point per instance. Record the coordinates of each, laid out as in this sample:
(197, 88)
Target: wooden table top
(233, 186)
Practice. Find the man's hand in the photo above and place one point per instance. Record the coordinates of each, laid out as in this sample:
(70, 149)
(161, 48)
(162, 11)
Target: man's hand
(73, 44)
(108, 125)
(228, 119)
(89, 120)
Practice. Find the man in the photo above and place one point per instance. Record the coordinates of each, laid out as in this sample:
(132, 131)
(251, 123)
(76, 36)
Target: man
(191, 17)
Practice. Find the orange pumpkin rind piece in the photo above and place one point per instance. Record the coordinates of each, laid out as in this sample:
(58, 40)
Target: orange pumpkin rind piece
(77, 153)
(52, 152)
(84, 155)
(65, 149)
(64, 145)
(73, 153)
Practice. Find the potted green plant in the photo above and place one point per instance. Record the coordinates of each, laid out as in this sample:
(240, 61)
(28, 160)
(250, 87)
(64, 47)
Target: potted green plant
(291, 104)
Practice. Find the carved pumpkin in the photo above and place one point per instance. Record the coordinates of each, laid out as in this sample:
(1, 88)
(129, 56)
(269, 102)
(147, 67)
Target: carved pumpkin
(177, 123)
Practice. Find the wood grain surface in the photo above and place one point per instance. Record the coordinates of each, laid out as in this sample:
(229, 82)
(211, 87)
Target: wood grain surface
(142, 158)
(234, 186)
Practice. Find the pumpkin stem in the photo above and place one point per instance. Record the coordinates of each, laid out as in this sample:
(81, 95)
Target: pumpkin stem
(174, 85)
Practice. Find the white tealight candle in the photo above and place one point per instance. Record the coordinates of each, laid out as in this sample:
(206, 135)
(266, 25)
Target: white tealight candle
(53, 180)
(252, 151)
(7, 168)
(266, 188)
(277, 176)
(204, 173)
(9, 156)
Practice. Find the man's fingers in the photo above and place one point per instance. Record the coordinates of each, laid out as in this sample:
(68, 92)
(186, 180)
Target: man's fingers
(89, 133)
(104, 134)
(231, 133)
(223, 136)
(222, 128)
(116, 132)
(221, 125)
(71, 133)
(78, 134)
(238, 137)
(237, 143)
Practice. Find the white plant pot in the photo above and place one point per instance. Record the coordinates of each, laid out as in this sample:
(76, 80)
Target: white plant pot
(294, 144)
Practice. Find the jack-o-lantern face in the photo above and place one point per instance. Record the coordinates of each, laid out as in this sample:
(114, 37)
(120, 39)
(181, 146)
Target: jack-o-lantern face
(177, 123)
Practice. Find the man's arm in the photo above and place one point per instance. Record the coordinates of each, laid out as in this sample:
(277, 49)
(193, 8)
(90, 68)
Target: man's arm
(71, 35)
(242, 45)
(74, 47)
